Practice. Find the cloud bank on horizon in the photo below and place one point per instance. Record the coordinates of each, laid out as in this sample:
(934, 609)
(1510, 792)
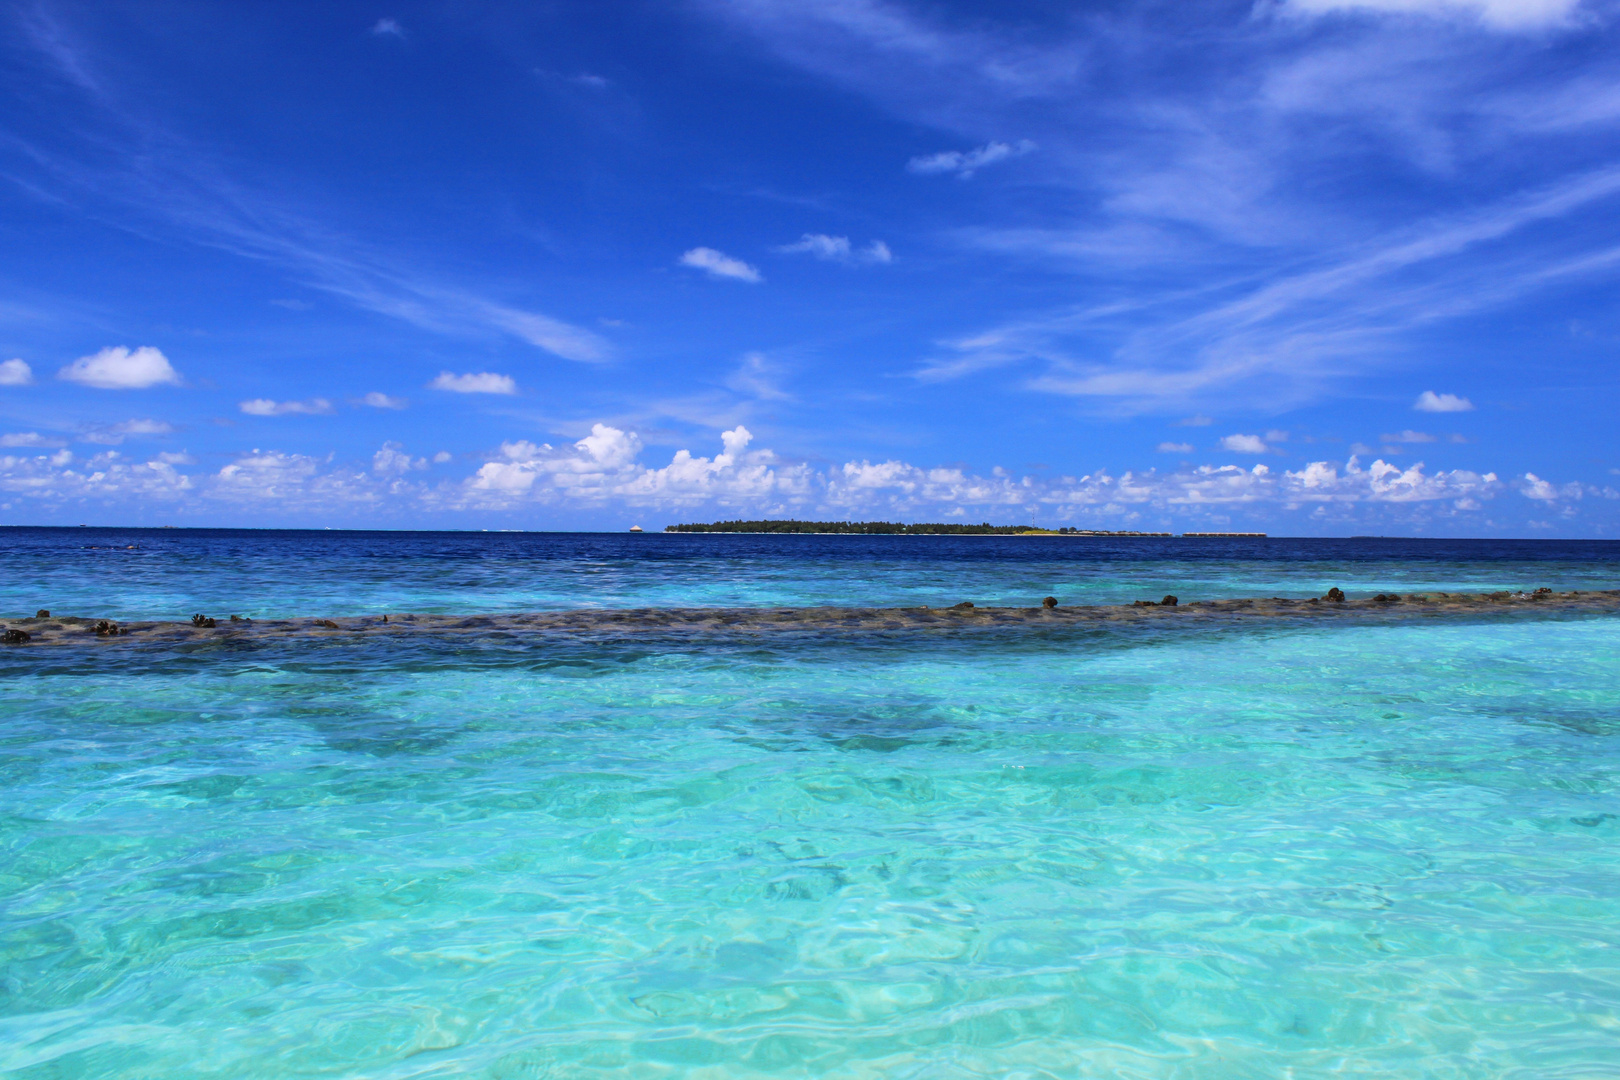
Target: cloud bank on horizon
(1310, 266)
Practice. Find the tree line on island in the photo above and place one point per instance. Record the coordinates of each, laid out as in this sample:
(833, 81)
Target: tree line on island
(888, 528)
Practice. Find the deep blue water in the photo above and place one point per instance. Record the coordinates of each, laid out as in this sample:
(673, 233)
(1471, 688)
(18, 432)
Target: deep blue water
(1305, 851)
(173, 573)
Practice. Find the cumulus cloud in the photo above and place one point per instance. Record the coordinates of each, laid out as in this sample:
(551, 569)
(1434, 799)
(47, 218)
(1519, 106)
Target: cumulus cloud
(119, 368)
(392, 460)
(266, 407)
(1409, 436)
(1498, 14)
(1532, 486)
(15, 373)
(388, 28)
(1244, 444)
(720, 265)
(1175, 448)
(379, 400)
(838, 249)
(115, 434)
(603, 468)
(606, 450)
(1429, 401)
(60, 477)
(480, 382)
(28, 438)
(964, 163)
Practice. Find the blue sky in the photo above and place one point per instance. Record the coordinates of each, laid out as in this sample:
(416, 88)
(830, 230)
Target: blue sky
(1308, 266)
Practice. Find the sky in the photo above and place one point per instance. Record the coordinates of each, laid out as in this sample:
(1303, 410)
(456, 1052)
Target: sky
(1310, 267)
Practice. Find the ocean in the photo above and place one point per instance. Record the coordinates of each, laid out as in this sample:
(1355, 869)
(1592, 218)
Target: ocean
(1243, 850)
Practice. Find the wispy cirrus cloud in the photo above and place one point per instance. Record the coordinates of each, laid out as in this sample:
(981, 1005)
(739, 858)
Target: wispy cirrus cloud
(1185, 185)
(1286, 338)
(124, 161)
(838, 249)
(1499, 14)
(717, 264)
(964, 163)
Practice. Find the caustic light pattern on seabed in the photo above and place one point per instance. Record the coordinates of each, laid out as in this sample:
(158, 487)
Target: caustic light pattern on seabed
(1340, 850)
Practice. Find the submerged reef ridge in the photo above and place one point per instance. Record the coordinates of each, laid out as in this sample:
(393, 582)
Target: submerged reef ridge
(964, 616)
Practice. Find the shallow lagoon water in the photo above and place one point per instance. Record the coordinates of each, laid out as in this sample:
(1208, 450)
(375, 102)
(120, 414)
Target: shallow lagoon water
(1308, 851)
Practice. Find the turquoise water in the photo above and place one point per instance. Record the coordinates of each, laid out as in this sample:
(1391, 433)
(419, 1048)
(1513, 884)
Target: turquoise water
(1285, 851)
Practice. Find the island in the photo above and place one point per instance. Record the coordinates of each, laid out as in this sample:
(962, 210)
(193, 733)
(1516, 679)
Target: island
(893, 528)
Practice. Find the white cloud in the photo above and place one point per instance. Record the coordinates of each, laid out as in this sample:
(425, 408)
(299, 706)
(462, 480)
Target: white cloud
(170, 458)
(379, 400)
(481, 382)
(587, 464)
(1429, 401)
(388, 28)
(1244, 444)
(115, 434)
(442, 456)
(838, 249)
(603, 468)
(1276, 436)
(59, 478)
(120, 368)
(1175, 448)
(720, 265)
(609, 447)
(29, 438)
(758, 376)
(266, 407)
(1195, 421)
(1500, 14)
(1534, 487)
(1409, 436)
(965, 163)
(553, 335)
(15, 373)
(392, 460)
